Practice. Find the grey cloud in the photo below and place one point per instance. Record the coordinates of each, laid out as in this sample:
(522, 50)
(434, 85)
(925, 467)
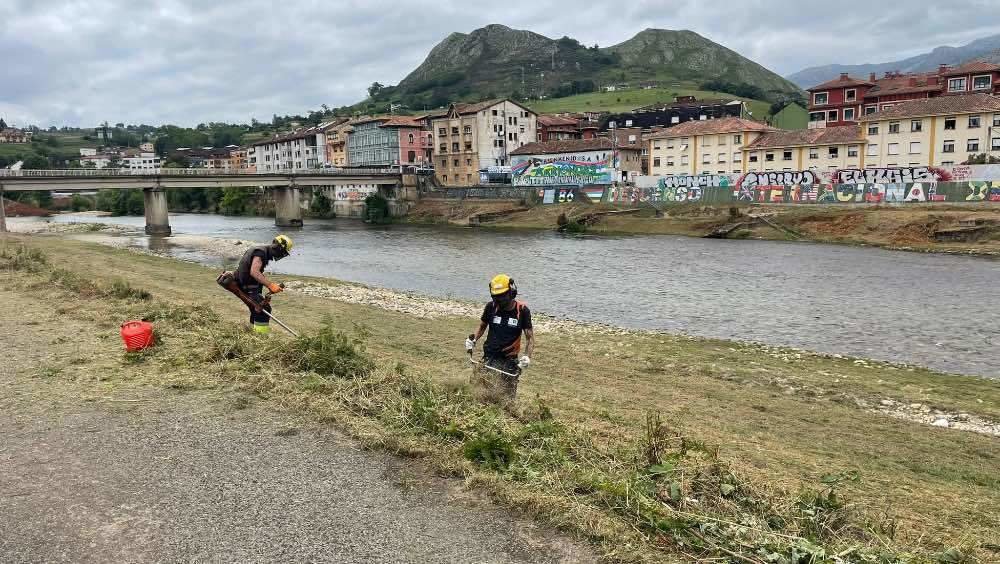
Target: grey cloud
(186, 61)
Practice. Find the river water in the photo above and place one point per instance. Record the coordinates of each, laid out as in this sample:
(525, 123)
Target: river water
(934, 310)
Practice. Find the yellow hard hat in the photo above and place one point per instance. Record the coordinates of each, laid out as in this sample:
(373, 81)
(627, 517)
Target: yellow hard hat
(501, 284)
(284, 241)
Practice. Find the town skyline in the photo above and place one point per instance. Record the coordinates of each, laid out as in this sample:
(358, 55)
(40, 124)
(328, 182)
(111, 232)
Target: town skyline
(83, 71)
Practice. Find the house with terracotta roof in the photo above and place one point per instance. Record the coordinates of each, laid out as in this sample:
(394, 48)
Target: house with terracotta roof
(832, 148)
(713, 146)
(303, 148)
(844, 100)
(940, 131)
(474, 137)
(388, 141)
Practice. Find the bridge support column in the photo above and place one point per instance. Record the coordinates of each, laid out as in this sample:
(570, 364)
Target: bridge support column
(287, 210)
(157, 218)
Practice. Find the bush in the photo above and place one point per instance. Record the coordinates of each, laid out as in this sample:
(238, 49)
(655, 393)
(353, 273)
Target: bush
(79, 203)
(235, 201)
(377, 209)
(321, 206)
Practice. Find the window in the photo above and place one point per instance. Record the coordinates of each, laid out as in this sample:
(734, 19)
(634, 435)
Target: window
(949, 124)
(706, 159)
(684, 160)
(495, 112)
(956, 85)
(468, 145)
(670, 161)
(702, 117)
(737, 157)
(947, 163)
(996, 120)
(813, 153)
(833, 152)
(893, 149)
(974, 122)
(817, 116)
(454, 147)
(444, 162)
(851, 95)
(468, 162)
(444, 147)
(982, 82)
(917, 125)
(949, 146)
(737, 139)
(893, 127)
(467, 129)
(753, 157)
(656, 162)
(873, 150)
(628, 123)
(870, 110)
(848, 114)
(456, 162)
(832, 115)
(852, 151)
(914, 147)
(786, 156)
(410, 138)
(972, 145)
(454, 130)
(821, 99)
(722, 157)
(995, 144)
(411, 156)
(873, 129)
(670, 143)
(445, 178)
(769, 157)
(706, 142)
(656, 147)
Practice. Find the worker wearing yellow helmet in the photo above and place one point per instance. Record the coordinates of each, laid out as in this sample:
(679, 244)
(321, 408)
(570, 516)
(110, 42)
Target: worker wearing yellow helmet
(251, 279)
(507, 319)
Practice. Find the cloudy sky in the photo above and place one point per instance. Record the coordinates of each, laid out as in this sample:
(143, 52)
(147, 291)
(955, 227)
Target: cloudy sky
(80, 62)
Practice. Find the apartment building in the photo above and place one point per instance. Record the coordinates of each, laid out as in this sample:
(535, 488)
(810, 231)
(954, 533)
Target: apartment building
(472, 137)
(940, 131)
(299, 149)
(682, 110)
(844, 100)
(337, 136)
(14, 135)
(703, 147)
(388, 141)
(832, 148)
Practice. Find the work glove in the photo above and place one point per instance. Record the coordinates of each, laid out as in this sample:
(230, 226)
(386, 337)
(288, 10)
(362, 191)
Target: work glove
(275, 288)
(523, 362)
(469, 344)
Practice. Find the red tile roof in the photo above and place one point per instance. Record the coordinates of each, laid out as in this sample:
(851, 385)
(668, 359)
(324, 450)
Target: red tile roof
(840, 83)
(552, 121)
(808, 137)
(944, 105)
(973, 67)
(712, 126)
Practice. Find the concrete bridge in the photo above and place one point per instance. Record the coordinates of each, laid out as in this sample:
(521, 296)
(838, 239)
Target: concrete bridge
(288, 212)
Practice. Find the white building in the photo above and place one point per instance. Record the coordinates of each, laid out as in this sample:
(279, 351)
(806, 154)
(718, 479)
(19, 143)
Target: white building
(301, 149)
(142, 163)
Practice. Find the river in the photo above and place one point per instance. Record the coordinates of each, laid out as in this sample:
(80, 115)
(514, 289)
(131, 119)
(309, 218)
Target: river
(928, 309)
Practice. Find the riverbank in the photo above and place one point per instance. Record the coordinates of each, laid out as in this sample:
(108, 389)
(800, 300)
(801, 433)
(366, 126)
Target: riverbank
(784, 421)
(963, 229)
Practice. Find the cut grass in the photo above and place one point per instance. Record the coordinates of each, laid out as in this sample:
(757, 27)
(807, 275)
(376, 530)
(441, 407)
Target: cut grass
(628, 100)
(919, 489)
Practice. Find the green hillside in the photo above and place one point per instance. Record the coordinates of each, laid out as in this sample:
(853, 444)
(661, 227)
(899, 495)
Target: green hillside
(630, 99)
(497, 61)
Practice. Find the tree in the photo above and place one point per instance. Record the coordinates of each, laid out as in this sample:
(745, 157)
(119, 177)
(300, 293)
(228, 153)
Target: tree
(35, 162)
(3, 124)
(43, 199)
(320, 205)
(375, 89)
(982, 159)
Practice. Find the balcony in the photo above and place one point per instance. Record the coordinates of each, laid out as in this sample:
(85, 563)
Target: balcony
(817, 125)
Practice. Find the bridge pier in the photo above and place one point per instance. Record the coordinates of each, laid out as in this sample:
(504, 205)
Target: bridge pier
(157, 218)
(287, 212)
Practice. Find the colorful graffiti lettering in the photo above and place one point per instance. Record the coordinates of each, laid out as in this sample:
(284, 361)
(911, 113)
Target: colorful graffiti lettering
(539, 172)
(665, 195)
(984, 191)
(354, 194)
(758, 179)
(892, 175)
(694, 181)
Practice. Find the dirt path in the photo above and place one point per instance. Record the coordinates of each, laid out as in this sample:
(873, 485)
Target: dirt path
(143, 474)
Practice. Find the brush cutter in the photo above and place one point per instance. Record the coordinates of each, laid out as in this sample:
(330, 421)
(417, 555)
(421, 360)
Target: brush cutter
(228, 281)
(487, 366)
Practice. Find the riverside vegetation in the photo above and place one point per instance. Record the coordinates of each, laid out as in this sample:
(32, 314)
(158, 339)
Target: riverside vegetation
(654, 447)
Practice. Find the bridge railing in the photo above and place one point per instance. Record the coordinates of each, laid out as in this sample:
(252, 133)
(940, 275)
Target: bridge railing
(196, 172)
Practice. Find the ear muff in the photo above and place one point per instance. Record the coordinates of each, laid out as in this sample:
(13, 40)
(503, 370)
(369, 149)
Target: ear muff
(513, 289)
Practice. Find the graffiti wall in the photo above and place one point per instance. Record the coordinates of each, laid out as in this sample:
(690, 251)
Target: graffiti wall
(967, 183)
(567, 169)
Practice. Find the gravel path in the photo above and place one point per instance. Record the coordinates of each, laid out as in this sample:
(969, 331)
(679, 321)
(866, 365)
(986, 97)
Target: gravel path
(162, 476)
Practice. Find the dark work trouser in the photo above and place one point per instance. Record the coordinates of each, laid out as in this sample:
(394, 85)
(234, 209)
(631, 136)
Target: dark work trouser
(507, 382)
(260, 321)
